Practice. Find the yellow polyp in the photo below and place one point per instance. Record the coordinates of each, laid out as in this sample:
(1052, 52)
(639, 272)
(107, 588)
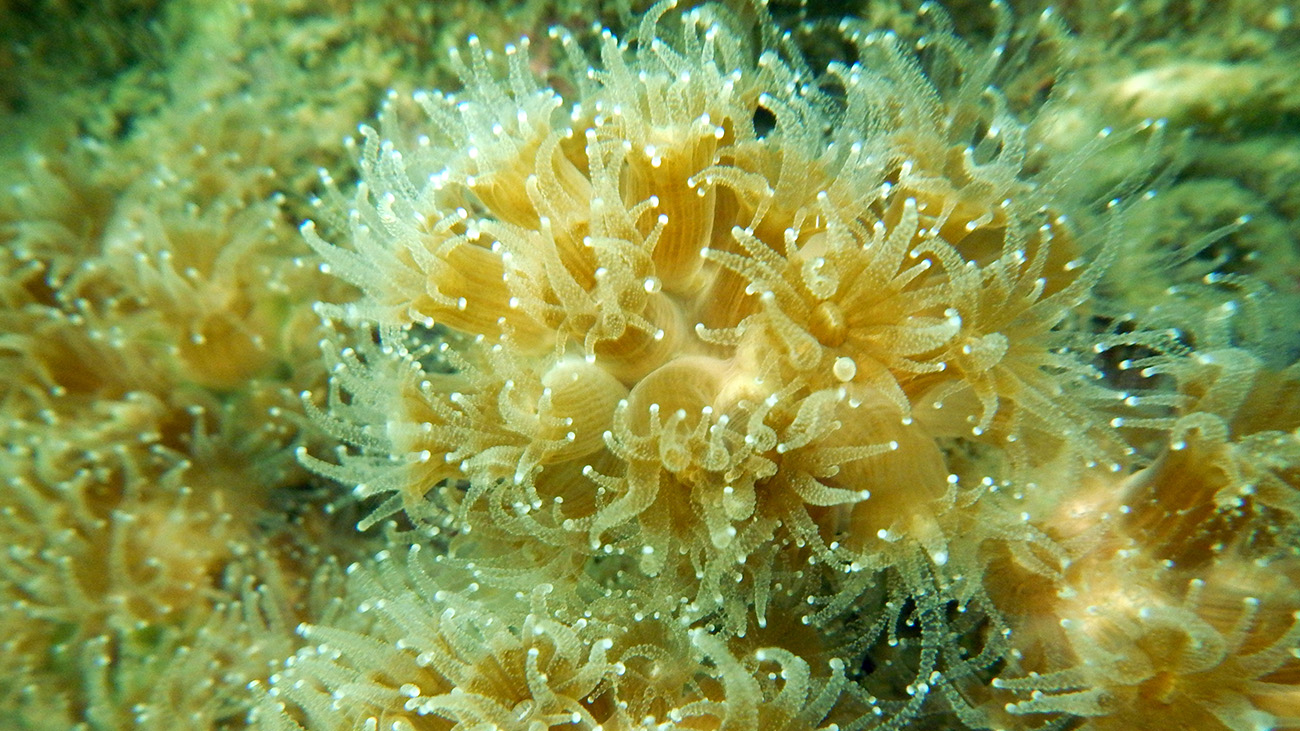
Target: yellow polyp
(640, 350)
(223, 352)
(907, 481)
(679, 155)
(582, 401)
(688, 384)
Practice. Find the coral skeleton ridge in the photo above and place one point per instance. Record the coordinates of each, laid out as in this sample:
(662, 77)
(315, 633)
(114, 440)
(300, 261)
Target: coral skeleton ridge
(666, 379)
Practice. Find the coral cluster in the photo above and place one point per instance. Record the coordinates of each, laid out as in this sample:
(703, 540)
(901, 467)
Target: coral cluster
(795, 387)
(155, 330)
(723, 369)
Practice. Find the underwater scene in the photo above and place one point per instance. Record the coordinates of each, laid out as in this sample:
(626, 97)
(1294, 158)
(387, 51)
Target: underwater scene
(619, 365)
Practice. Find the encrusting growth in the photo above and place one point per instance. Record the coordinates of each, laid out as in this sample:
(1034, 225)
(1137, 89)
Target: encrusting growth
(811, 355)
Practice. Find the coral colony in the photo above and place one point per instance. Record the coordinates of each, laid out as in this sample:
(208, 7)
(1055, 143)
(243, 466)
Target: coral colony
(712, 423)
(685, 385)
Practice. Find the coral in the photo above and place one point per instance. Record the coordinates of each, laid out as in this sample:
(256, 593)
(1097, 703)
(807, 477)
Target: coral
(758, 337)
(155, 332)
(679, 366)
(553, 655)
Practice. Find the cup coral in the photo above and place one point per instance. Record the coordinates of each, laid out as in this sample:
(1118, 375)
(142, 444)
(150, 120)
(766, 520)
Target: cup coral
(700, 374)
(766, 338)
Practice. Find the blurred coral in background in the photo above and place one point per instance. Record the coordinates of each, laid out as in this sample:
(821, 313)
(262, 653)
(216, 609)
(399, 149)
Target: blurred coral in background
(888, 365)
